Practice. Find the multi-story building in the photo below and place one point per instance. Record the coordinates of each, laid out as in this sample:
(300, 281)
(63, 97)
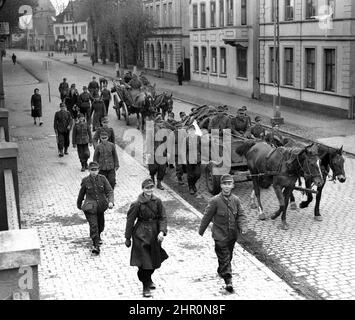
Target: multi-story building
(316, 56)
(71, 27)
(170, 43)
(41, 36)
(223, 45)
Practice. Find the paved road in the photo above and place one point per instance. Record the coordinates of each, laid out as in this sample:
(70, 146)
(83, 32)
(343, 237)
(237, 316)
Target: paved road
(318, 253)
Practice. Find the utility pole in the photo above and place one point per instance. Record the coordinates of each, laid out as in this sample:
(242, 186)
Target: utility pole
(73, 29)
(276, 101)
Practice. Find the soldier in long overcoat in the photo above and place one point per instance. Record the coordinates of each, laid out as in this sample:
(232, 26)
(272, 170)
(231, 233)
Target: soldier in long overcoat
(147, 226)
(63, 123)
(97, 112)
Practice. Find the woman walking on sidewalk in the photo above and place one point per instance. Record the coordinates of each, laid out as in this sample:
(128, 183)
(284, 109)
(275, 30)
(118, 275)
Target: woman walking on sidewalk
(36, 107)
(147, 225)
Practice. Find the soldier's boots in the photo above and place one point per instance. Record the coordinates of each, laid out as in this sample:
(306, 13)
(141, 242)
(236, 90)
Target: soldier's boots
(194, 188)
(180, 181)
(66, 151)
(60, 153)
(229, 285)
(146, 291)
(153, 178)
(152, 285)
(95, 250)
(159, 185)
(192, 191)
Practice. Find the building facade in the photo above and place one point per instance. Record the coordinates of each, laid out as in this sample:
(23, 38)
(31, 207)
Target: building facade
(316, 56)
(41, 36)
(71, 27)
(170, 43)
(224, 46)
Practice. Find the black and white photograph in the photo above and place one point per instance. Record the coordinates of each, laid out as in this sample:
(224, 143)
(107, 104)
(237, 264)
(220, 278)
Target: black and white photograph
(178, 155)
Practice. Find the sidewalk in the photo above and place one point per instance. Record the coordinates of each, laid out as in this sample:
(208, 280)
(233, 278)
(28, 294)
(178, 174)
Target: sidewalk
(331, 131)
(48, 191)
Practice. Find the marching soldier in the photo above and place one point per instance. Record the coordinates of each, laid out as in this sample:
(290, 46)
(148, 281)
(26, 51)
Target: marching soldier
(93, 86)
(106, 156)
(106, 96)
(107, 129)
(97, 112)
(193, 165)
(98, 197)
(81, 139)
(147, 226)
(84, 103)
(229, 220)
(72, 100)
(62, 126)
(63, 89)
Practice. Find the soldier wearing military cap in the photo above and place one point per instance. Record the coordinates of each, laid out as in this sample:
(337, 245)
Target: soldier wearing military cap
(63, 89)
(97, 112)
(62, 125)
(106, 96)
(147, 226)
(93, 86)
(107, 129)
(85, 103)
(81, 140)
(241, 124)
(106, 156)
(220, 121)
(99, 197)
(257, 130)
(229, 220)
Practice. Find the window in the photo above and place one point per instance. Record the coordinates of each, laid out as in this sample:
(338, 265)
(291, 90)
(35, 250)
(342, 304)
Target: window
(223, 61)
(289, 4)
(196, 59)
(83, 29)
(244, 12)
(203, 15)
(311, 6)
(157, 14)
(221, 13)
(329, 70)
(148, 56)
(274, 65)
(311, 68)
(72, 29)
(242, 63)
(170, 14)
(64, 30)
(195, 16)
(289, 66)
(214, 60)
(204, 59)
(57, 30)
(165, 14)
(213, 14)
(230, 12)
(331, 4)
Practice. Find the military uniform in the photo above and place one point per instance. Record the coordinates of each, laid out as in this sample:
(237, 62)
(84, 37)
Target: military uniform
(97, 112)
(240, 125)
(106, 156)
(71, 101)
(193, 166)
(63, 90)
(258, 131)
(229, 220)
(106, 97)
(220, 121)
(84, 104)
(274, 138)
(98, 194)
(62, 125)
(93, 87)
(81, 139)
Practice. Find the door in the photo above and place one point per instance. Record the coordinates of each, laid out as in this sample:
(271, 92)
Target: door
(187, 70)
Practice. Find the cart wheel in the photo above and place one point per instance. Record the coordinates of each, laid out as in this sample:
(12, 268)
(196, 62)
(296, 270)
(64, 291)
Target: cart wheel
(212, 181)
(117, 107)
(125, 113)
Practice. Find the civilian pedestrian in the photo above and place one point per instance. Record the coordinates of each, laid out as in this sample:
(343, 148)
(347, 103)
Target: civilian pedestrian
(180, 73)
(36, 107)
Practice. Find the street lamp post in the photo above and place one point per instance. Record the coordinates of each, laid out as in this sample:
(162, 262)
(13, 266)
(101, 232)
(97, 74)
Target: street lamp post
(74, 46)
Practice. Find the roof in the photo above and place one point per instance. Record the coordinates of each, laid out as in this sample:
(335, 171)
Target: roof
(79, 8)
(45, 5)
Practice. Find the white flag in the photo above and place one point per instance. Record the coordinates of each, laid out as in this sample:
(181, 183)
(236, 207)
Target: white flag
(26, 22)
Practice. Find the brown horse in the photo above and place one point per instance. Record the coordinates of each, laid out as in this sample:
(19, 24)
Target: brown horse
(164, 102)
(330, 158)
(279, 167)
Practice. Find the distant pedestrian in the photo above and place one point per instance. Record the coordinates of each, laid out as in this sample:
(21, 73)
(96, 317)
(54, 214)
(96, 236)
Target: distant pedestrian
(106, 96)
(229, 220)
(85, 103)
(106, 156)
(97, 112)
(36, 107)
(92, 58)
(63, 89)
(93, 86)
(98, 198)
(105, 127)
(81, 140)
(62, 126)
(14, 58)
(147, 226)
(180, 73)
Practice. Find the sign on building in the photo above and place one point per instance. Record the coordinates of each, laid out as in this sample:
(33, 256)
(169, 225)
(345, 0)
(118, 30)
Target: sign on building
(4, 28)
